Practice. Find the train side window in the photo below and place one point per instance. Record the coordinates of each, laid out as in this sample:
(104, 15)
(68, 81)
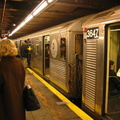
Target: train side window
(63, 48)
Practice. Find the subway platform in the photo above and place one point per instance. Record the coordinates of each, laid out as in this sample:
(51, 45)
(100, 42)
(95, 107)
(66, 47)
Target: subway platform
(54, 106)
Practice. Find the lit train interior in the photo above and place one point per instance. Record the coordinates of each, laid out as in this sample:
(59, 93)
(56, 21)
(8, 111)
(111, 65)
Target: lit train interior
(113, 48)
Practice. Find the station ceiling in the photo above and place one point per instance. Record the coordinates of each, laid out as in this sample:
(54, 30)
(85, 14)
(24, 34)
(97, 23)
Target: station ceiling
(13, 12)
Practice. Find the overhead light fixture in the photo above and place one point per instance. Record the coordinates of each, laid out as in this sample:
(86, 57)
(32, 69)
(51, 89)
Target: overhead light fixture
(28, 18)
(50, 1)
(14, 24)
(21, 25)
(39, 8)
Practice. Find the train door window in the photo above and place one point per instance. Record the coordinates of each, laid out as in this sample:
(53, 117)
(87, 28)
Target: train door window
(63, 48)
(113, 57)
(37, 46)
(36, 49)
(79, 56)
(79, 44)
(46, 54)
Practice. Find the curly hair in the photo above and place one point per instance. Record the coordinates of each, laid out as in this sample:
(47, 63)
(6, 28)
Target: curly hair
(8, 48)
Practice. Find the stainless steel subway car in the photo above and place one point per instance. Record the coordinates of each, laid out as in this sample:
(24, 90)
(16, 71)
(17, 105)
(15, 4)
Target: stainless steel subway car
(57, 55)
(74, 57)
(101, 44)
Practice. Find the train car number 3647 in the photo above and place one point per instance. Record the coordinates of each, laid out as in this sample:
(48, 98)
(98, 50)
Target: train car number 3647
(93, 33)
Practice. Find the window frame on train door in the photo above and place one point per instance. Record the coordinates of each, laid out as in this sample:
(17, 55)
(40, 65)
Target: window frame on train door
(44, 58)
(107, 59)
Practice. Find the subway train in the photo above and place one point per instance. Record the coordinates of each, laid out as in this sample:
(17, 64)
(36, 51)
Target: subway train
(74, 57)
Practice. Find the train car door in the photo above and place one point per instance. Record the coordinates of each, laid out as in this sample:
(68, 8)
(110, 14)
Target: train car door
(46, 54)
(79, 58)
(113, 64)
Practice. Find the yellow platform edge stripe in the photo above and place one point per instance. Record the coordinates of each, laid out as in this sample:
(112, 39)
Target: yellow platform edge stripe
(73, 107)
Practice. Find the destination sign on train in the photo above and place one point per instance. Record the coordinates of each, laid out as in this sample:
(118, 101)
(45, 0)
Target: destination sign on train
(93, 33)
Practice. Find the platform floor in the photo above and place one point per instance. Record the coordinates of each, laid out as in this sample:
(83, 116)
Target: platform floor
(50, 110)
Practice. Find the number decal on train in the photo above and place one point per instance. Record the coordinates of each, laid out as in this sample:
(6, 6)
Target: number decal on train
(93, 33)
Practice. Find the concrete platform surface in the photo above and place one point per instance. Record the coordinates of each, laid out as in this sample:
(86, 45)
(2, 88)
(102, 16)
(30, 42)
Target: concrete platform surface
(50, 110)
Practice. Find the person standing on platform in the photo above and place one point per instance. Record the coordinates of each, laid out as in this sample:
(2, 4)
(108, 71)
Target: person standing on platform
(24, 52)
(29, 54)
(12, 80)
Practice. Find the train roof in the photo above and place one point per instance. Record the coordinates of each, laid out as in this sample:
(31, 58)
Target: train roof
(77, 24)
(74, 25)
(104, 17)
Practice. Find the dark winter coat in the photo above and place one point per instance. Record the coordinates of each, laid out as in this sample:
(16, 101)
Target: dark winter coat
(114, 83)
(12, 78)
(24, 51)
